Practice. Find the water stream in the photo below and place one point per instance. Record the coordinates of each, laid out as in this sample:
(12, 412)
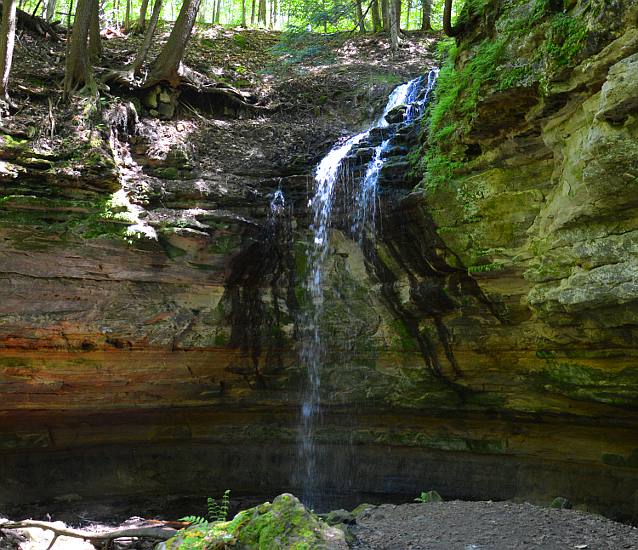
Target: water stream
(360, 213)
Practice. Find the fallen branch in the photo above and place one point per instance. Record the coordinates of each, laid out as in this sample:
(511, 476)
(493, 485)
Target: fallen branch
(35, 24)
(154, 532)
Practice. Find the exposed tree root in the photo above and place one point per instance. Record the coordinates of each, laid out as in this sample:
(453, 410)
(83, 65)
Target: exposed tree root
(157, 532)
(36, 24)
(194, 88)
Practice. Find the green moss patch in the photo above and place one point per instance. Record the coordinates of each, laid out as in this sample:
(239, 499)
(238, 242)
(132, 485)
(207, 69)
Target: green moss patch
(283, 524)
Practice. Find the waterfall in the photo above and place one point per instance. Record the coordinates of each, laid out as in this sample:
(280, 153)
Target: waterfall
(361, 211)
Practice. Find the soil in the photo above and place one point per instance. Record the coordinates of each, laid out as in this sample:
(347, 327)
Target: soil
(460, 525)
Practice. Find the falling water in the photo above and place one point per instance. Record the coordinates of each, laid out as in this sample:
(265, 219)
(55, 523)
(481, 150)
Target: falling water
(328, 174)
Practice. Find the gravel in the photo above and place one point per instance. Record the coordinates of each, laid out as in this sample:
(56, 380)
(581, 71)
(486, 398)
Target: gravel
(487, 526)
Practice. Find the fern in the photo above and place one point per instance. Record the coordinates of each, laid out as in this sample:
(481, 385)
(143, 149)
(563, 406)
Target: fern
(218, 511)
(195, 520)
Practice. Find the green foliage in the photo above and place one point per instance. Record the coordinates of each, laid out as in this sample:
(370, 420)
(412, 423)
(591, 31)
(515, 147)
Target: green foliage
(565, 37)
(218, 511)
(488, 64)
(429, 496)
(455, 99)
(195, 520)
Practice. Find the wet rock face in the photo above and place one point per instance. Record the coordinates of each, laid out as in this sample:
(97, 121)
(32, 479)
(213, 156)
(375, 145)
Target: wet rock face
(482, 345)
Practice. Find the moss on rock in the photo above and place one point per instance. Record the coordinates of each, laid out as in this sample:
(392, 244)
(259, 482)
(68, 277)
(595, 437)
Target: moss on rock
(283, 524)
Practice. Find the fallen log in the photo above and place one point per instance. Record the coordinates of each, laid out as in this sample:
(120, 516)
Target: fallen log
(35, 24)
(156, 532)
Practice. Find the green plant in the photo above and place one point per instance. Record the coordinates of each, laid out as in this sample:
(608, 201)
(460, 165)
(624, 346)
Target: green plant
(218, 511)
(195, 520)
(429, 496)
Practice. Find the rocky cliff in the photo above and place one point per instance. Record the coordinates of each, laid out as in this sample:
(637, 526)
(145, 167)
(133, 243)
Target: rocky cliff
(483, 344)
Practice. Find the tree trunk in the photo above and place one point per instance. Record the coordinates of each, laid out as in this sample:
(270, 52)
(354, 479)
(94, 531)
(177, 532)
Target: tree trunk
(252, 13)
(376, 16)
(384, 15)
(148, 38)
(50, 10)
(95, 40)
(397, 4)
(360, 19)
(168, 65)
(407, 15)
(218, 10)
(261, 18)
(426, 16)
(275, 9)
(394, 25)
(78, 67)
(141, 22)
(7, 41)
(127, 15)
(447, 20)
(68, 15)
(243, 13)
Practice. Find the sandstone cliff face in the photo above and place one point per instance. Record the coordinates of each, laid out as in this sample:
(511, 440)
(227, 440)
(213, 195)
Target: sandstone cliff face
(539, 206)
(485, 346)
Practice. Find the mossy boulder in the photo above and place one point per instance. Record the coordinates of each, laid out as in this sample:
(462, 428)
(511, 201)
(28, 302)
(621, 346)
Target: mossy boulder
(283, 524)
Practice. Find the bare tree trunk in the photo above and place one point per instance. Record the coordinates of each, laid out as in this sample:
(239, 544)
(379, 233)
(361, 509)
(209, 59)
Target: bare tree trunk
(275, 9)
(261, 18)
(218, 10)
(7, 42)
(168, 65)
(385, 17)
(68, 15)
(394, 25)
(95, 40)
(398, 8)
(426, 16)
(78, 68)
(407, 15)
(50, 10)
(243, 13)
(148, 38)
(127, 15)
(252, 13)
(141, 22)
(360, 22)
(447, 20)
(376, 16)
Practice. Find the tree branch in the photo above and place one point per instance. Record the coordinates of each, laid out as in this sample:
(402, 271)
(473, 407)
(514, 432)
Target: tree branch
(160, 532)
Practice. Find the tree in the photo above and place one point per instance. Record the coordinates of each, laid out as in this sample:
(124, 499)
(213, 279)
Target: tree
(376, 16)
(95, 40)
(136, 67)
(261, 12)
(243, 13)
(394, 25)
(426, 16)
(127, 16)
(140, 27)
(78, 68)
(385, 15)
(360, 18)
(447, 20)
(7, 41)
(50, 8)
(168, 65)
